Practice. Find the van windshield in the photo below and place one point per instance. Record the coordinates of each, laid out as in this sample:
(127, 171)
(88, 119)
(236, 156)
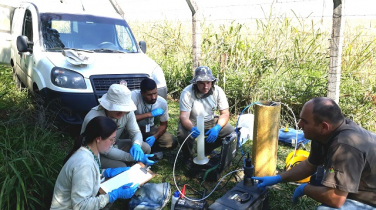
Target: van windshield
(86, 32)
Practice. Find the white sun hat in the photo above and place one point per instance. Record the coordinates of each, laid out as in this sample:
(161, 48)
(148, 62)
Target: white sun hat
(118, 98)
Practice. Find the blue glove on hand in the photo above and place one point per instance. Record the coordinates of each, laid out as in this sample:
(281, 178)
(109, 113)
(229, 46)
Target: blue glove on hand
(157, 112)
(145, 160)
(267, 181)
(299, 192)
(213, 134)
(150, 140)
(136, 152)
(195, 133)
(111, 172)
(124, 192)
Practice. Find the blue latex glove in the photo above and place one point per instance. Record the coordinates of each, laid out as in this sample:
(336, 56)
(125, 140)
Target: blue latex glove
(267, 181)
(195, 131)
(136, 152)
(157, 112)
(145, 160)
(124, 192)
(111, 172)
(298, 192)
(213, 134)
(150, 140)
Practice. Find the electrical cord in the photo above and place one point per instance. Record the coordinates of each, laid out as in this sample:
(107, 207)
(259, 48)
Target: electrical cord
(228, 178)
(177, 187)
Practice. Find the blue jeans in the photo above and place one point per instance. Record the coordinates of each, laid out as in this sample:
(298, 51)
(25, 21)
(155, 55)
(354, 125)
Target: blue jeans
(348, 205)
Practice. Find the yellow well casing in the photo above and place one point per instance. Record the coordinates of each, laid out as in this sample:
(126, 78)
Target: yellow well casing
(265, 138)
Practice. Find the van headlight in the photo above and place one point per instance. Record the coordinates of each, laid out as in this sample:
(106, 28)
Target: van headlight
(67, 79)
(158, 77)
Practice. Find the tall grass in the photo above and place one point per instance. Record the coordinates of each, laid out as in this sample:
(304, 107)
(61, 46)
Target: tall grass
(276, 58)
(31, 152)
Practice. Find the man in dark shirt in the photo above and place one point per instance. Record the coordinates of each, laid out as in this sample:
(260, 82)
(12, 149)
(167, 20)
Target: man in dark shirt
(347, 153)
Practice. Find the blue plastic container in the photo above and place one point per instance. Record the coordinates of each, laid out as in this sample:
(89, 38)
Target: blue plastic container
(286, 137)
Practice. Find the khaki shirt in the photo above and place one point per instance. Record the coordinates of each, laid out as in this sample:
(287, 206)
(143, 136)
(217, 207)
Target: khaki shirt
(206, 106)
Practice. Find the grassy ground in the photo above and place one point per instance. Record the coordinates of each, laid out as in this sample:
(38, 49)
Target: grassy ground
(280, 195)
(32, 150)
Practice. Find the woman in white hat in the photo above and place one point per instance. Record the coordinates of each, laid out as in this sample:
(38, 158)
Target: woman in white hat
(117, 104)
(202, 97)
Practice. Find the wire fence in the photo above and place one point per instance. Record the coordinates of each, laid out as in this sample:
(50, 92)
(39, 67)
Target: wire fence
(360, 17)
(283, 35)
(358, 14)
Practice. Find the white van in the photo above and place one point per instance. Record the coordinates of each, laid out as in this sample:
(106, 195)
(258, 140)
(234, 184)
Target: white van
(71, 55)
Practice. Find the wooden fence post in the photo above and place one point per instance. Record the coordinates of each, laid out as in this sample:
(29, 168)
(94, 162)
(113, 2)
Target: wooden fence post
(336, 43)
(196, 34)
(117, 7)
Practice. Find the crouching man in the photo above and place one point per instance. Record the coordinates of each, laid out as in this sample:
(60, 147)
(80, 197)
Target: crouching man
(149, 106)
(345, 151)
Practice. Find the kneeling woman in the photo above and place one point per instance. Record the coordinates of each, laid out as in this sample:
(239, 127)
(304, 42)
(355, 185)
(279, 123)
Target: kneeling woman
(79, 180)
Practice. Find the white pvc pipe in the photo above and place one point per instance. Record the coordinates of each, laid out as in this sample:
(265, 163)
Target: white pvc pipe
(201, 159)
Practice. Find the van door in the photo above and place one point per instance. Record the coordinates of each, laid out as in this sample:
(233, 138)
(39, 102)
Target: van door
(25, 61)
(6, 15)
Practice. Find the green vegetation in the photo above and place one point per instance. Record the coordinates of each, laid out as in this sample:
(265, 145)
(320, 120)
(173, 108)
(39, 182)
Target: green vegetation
(31, 152)
(271, 59)
(275, 59)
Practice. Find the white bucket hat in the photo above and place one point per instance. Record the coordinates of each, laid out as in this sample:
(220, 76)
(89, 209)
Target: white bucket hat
(118, 98)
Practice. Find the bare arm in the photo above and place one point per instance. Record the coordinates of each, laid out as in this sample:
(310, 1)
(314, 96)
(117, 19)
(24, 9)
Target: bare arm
(298, 172)
(161, 129)
(184, 119)
(140, 117)
(223, 117)
(328, 196)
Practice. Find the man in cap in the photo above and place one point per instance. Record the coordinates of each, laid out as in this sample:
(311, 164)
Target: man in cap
(150, 105)
(342, 154)
(117, 104)
(202, 97)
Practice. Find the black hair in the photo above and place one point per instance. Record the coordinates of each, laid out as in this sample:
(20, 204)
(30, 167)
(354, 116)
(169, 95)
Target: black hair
(326, 109)
(147, 84)
(197, 92)
(99, 126)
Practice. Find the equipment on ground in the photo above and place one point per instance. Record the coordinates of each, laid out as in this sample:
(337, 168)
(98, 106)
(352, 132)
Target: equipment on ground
(292, 160)
(185, 204)
(212, 170)
(288, 136)
(245, 195)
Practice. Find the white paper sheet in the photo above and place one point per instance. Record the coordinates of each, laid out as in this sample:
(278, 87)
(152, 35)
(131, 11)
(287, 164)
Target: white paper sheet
(134, 174)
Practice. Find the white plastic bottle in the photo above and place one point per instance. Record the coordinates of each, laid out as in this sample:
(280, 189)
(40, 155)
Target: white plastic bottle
(174, 198)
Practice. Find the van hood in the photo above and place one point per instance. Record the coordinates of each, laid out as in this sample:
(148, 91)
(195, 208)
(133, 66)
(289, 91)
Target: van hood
(107, 63)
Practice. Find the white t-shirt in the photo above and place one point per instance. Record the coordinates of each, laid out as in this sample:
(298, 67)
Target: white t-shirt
(142, 108)
(206, 107)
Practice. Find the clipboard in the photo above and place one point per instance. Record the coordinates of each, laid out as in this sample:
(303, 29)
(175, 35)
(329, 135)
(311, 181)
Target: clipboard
(138, 173)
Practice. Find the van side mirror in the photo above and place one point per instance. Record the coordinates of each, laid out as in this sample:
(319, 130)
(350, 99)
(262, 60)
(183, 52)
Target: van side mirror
(142, 46)
(24, 45)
